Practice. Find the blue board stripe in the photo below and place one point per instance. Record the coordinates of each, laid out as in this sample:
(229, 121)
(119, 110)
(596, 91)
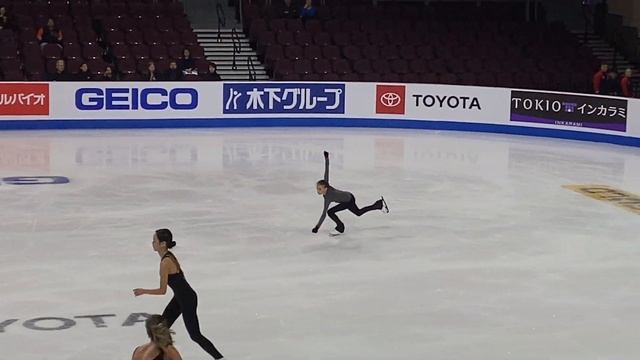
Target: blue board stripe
(316, 122)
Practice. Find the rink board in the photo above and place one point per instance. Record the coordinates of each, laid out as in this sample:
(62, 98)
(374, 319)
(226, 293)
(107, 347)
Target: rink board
(333, 104)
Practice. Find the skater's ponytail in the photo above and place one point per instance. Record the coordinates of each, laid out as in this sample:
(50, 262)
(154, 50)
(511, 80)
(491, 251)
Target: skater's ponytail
(165, 236)
(158, 331)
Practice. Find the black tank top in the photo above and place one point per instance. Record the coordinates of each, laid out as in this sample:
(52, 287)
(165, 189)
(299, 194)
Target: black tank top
(177, 282)
(160, 356)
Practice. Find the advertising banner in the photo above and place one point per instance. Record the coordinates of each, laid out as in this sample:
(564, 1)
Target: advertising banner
(440, 102)
(229, 104)
(569, 110)
(135, 100)
(283, 98)
(24, 99)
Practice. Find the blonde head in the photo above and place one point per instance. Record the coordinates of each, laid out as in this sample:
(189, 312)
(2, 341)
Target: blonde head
(158, 331)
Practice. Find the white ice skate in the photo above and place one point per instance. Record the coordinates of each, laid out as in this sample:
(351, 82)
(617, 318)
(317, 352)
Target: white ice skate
(385, 208)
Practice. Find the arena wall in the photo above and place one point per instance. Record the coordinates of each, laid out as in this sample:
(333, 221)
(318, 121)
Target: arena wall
(267, 104)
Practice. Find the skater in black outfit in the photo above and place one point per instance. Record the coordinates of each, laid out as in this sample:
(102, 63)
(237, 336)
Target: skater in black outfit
(185, 299)
(345, 200)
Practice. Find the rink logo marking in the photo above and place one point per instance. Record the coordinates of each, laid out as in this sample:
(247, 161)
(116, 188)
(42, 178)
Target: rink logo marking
(34, 180)
(617, 197)
(53, 323)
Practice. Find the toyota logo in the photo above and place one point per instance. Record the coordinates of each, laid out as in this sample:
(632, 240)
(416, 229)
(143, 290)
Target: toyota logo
(390, 99)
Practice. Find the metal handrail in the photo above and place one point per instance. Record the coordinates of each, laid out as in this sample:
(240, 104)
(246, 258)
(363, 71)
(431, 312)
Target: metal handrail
(222, 20)
(252, 69)
(237, 47)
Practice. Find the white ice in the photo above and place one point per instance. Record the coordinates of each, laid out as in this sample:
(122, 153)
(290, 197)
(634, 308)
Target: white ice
(483, 256)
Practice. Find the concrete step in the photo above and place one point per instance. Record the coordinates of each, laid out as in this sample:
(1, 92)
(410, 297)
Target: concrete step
(240, 67)
(230, 44)
(222, 36)
(229, 58)
(229, 62)
(225, 46)
(223, 52)
(246, 78)
(200, 30)
(227, 51)
(214, 40)
(245, 74)
(238, 73)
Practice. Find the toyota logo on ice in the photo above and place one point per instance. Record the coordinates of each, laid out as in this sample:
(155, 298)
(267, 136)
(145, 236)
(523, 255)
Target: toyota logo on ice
(390, 99)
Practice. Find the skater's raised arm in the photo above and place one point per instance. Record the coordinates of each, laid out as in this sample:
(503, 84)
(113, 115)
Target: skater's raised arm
(326, 166)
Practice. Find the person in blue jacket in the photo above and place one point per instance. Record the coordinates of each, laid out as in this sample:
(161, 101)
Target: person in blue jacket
(308, 11)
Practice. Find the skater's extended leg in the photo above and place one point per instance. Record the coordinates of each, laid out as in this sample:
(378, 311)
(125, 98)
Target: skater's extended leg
(359, 212)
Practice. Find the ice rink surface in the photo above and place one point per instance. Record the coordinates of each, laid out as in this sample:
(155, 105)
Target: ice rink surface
(483, 256)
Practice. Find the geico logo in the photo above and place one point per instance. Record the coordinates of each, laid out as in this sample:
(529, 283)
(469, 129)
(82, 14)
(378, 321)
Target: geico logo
(34, 180)
(537, 104)
(390, 99)
(452, 102)
(134, 99)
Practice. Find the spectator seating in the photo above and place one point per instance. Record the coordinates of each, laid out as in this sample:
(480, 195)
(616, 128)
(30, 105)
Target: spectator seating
(123, 34)
(444, 42)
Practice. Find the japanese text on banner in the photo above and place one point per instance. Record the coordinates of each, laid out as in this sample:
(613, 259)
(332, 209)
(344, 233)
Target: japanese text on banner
(284, 98)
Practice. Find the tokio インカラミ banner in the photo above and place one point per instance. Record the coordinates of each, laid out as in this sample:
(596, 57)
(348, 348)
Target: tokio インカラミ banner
(571, 110)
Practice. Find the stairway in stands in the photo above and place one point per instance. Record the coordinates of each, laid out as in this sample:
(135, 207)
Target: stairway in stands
(220, 51)
(604, 52)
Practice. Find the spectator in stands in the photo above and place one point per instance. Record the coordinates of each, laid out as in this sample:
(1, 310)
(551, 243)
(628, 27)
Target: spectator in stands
(289, 10)
(308, 11)
(49, 34)
(625, 83)
(84, 74)
(173, 74)
(4, 18)
(160, 345)
(61, 73)
(108, 74)
(212, 75)
(151, 74)
(611, 85)
(599, 77)
(187, 64)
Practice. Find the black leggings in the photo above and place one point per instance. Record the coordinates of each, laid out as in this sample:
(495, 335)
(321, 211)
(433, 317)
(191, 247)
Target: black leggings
(190, 317)
(351, 206)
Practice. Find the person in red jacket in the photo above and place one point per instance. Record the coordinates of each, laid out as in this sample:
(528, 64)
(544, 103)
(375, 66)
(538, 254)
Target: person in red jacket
(599, 77)
(625, 83)
(49, 34)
